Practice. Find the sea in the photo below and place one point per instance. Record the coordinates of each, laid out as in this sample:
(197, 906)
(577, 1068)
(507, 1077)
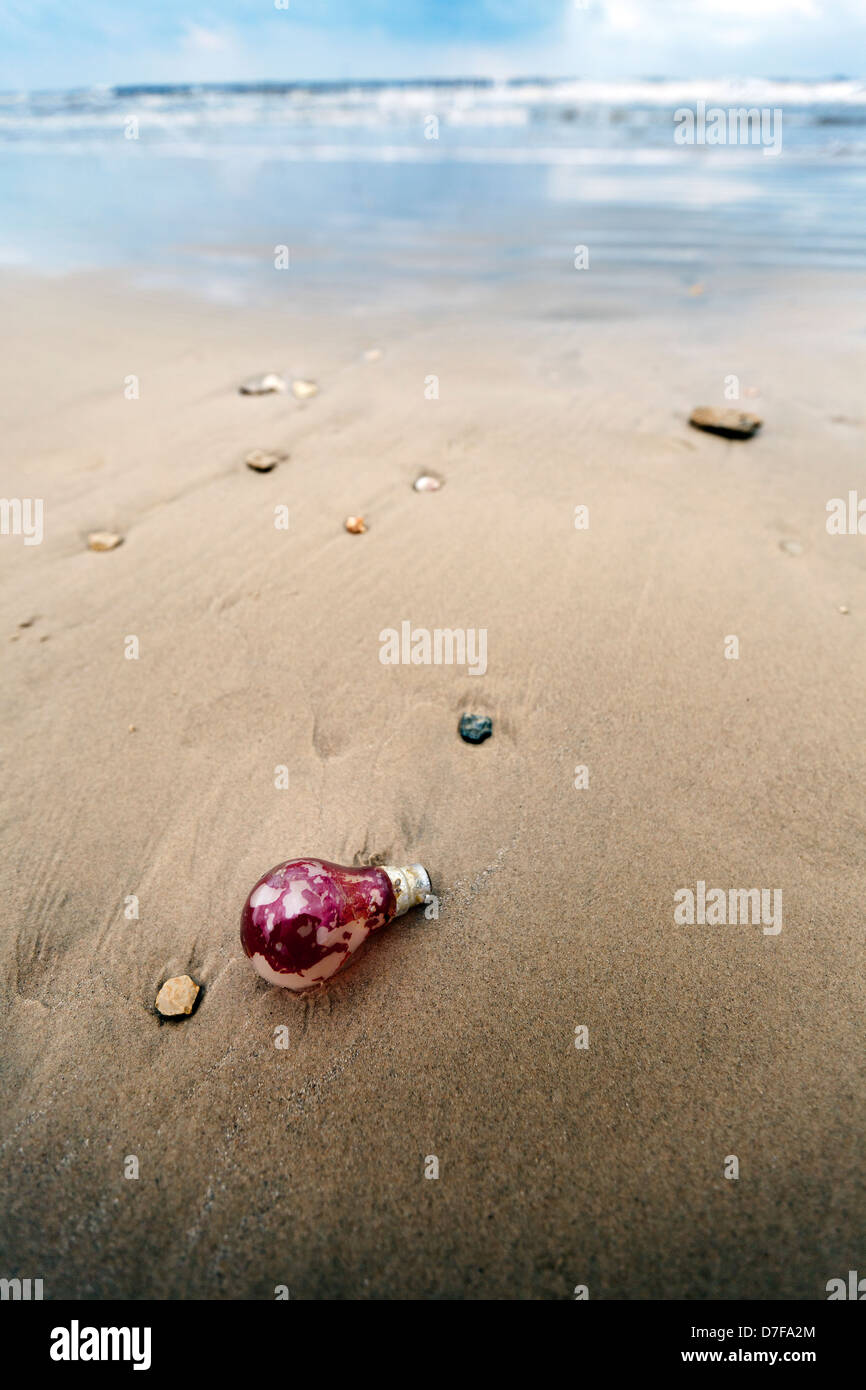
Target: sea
(412, 185)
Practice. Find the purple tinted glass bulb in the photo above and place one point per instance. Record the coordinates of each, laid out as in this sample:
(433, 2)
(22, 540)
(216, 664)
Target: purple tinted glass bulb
(304, 919)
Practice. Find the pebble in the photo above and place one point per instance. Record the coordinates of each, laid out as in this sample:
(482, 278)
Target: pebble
(104, 540)
(731, 424)
(843, 608)
(262, 461)
(428, 482)
(177, 996)
(372, 354)
(475, 728)
(262, 385)
(791, 547)
(356, 524)
(302, 390)
(695, 290)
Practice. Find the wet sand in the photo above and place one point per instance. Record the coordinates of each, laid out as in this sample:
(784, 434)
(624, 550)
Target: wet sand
(259, 648)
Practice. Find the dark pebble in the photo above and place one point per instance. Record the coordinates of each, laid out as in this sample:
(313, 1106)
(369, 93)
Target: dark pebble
(475, 728)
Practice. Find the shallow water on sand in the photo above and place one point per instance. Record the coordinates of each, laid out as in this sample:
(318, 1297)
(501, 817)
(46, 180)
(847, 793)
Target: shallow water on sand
(398, 185)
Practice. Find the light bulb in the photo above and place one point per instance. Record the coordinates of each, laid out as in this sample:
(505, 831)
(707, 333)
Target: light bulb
(305, 918)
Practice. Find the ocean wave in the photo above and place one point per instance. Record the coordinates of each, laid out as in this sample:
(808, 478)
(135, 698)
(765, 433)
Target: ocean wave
(574, 104)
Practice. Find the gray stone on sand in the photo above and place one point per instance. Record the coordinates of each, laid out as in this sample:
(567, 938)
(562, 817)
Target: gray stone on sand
(731, 424)
(475, 728)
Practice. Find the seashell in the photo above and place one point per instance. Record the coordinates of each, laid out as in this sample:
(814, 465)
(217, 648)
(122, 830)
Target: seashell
(262, 385)
(262, 461)
(104, 540)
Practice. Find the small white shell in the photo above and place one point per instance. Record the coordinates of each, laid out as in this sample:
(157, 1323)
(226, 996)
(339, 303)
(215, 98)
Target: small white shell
(262, 385)
(104, 540)
(262, 460)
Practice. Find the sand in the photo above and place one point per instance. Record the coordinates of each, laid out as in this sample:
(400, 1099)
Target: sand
(304, 1166)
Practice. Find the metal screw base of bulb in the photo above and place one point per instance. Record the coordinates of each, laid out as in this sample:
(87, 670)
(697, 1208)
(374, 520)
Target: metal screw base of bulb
(411, 885)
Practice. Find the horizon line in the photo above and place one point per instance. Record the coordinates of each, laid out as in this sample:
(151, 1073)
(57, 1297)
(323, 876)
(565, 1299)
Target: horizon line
(325, 84)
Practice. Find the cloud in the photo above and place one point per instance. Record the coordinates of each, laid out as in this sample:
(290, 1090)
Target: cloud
(713, 19)
(198, 39)
(52, 43)
(705, 38)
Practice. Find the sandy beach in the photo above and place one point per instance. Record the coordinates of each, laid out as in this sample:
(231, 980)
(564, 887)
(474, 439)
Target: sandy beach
(258, 648)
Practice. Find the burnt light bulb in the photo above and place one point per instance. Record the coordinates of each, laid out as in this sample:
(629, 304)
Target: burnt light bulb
(306, 918)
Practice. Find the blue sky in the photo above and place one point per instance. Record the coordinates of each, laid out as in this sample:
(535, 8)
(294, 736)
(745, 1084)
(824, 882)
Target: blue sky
(68, 43)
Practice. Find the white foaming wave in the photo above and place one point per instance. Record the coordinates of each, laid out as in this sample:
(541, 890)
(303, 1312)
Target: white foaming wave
(493, 105)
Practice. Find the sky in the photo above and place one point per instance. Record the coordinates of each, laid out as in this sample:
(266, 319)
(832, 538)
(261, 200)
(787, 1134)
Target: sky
(57, 44)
